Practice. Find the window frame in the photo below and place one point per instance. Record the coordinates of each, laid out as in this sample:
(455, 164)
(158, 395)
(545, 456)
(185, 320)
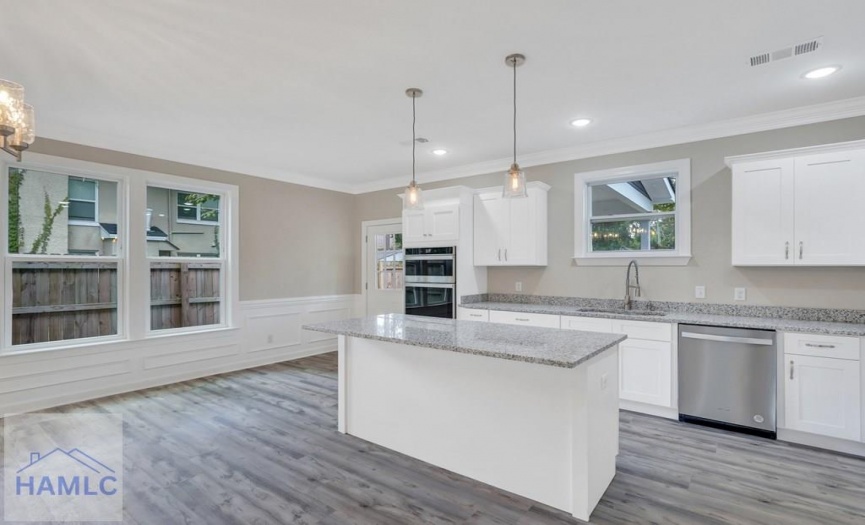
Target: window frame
(133, 266)
(583, 254)
(179, 185)
(84, 222)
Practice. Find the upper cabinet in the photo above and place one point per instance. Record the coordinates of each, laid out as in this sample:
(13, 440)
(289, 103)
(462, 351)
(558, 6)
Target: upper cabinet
(435, 225)
(511, 231)
(799, 207)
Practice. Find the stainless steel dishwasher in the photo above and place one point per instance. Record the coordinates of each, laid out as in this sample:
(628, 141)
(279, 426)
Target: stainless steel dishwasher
(727, 378)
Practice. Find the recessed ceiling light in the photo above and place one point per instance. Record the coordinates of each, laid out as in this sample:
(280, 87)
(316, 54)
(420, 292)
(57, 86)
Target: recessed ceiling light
(822, 72)
(439, 152)
(581, 122)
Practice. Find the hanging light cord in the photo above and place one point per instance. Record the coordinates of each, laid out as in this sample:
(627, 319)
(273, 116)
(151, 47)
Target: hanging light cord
(413, 140)
(514, 64)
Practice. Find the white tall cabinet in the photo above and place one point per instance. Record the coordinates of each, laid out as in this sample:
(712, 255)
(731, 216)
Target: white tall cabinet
(511, 232)
(799, 207)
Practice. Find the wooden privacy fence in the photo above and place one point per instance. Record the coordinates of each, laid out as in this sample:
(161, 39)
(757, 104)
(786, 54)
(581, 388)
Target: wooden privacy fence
(184, 294)
(56, 301)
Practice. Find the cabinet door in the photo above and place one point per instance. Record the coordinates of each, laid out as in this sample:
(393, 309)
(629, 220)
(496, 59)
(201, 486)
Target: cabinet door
(413, 226)
(762, 210)
(520, 238)
(442, 223)
(490, 218)
(829, 213)
(822, 396)
(645, 372)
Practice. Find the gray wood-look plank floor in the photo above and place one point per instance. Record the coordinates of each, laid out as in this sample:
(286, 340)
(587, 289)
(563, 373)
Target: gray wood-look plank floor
(261, 446)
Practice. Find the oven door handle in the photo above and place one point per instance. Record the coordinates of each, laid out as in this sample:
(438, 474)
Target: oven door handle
(428, 285)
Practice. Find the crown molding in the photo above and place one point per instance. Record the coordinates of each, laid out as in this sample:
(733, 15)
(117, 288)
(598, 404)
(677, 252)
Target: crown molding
(841, 109)
(795, 152)
(836, 110)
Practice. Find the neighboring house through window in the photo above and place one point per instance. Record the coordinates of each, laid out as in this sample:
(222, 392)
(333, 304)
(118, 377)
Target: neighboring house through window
(83, 198)
(193, 207)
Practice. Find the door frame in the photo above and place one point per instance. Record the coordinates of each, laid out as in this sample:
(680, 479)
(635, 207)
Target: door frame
(364, 237)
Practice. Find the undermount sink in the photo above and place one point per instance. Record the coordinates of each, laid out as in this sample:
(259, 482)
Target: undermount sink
(620, 311)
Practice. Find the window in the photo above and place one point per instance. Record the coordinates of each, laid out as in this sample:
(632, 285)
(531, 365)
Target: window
(63, 276)
(389, 258)
(70, 277)
(197, 207)
(186, 260)
(639, 212)
(82, 199)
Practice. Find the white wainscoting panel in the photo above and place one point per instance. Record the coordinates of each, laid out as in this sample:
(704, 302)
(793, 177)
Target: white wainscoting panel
(267, 332)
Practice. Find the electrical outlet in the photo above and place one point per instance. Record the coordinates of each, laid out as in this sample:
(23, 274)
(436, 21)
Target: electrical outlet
(269, 338)
(739, 294)
(519, 286)
(603, 381)
(700, 292)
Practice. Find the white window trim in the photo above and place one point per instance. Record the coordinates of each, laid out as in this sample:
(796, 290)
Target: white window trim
(583, 256)
(133, 314)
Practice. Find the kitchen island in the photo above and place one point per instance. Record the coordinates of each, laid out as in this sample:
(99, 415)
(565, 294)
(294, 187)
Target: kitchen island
(530, 410)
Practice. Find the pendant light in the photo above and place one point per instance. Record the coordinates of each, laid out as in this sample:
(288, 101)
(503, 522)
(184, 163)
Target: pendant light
(515, 179)
(413, 199)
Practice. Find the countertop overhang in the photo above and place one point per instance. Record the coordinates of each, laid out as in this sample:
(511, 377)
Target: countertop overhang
(543, 346)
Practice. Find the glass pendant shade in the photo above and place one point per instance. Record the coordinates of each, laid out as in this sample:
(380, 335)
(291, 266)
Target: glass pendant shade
(413, 198)
(25, 129)
(11, 105)
(515, 182)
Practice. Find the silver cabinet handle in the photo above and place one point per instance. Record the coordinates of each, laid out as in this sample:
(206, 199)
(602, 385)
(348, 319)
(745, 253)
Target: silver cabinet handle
(800, 249)
(812, 345)
(500, 254)
(506, 254)
(475, 315)
(792, 364)
(521, 319)
(787, 250)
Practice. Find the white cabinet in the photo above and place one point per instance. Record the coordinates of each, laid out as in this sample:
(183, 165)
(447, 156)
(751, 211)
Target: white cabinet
(587, 324)
(802, 207)
(525, 319)
(435, 225)
(822, 385)
(645, 362)
(472, 314)
(511, 232)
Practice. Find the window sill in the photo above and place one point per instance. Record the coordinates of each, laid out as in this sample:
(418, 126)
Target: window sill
(625, 258)
(75, 222)
(200, 223)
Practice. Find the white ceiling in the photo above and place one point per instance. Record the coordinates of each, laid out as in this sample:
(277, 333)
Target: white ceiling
(313, 91)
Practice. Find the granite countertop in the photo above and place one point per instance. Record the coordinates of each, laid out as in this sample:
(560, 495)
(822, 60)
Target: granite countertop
(544, 346)
(658, 316)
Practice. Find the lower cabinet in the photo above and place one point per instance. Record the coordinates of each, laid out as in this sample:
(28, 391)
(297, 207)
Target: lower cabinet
(822, 386)
(645, 357)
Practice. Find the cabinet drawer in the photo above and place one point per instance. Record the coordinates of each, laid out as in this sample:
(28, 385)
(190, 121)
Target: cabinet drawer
(838, 347)
(472, 314)
(588, 324)
(544, 320)
(644, 330)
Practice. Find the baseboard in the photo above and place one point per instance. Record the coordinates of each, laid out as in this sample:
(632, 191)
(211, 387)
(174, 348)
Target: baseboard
(823, 442)
(652, 410)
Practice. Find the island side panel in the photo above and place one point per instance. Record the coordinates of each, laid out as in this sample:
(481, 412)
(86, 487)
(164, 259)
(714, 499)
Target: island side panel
(596, 437)
(506, 423)
(341, 386)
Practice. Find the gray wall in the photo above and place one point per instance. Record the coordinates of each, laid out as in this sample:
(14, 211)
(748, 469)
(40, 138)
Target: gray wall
(818, 287)
(295, 241)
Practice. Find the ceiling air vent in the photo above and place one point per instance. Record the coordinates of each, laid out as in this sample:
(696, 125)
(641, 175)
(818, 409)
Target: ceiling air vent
(787, 52)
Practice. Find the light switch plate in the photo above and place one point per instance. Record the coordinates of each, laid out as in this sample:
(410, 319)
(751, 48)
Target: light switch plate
(739, 294)
(700, 292)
